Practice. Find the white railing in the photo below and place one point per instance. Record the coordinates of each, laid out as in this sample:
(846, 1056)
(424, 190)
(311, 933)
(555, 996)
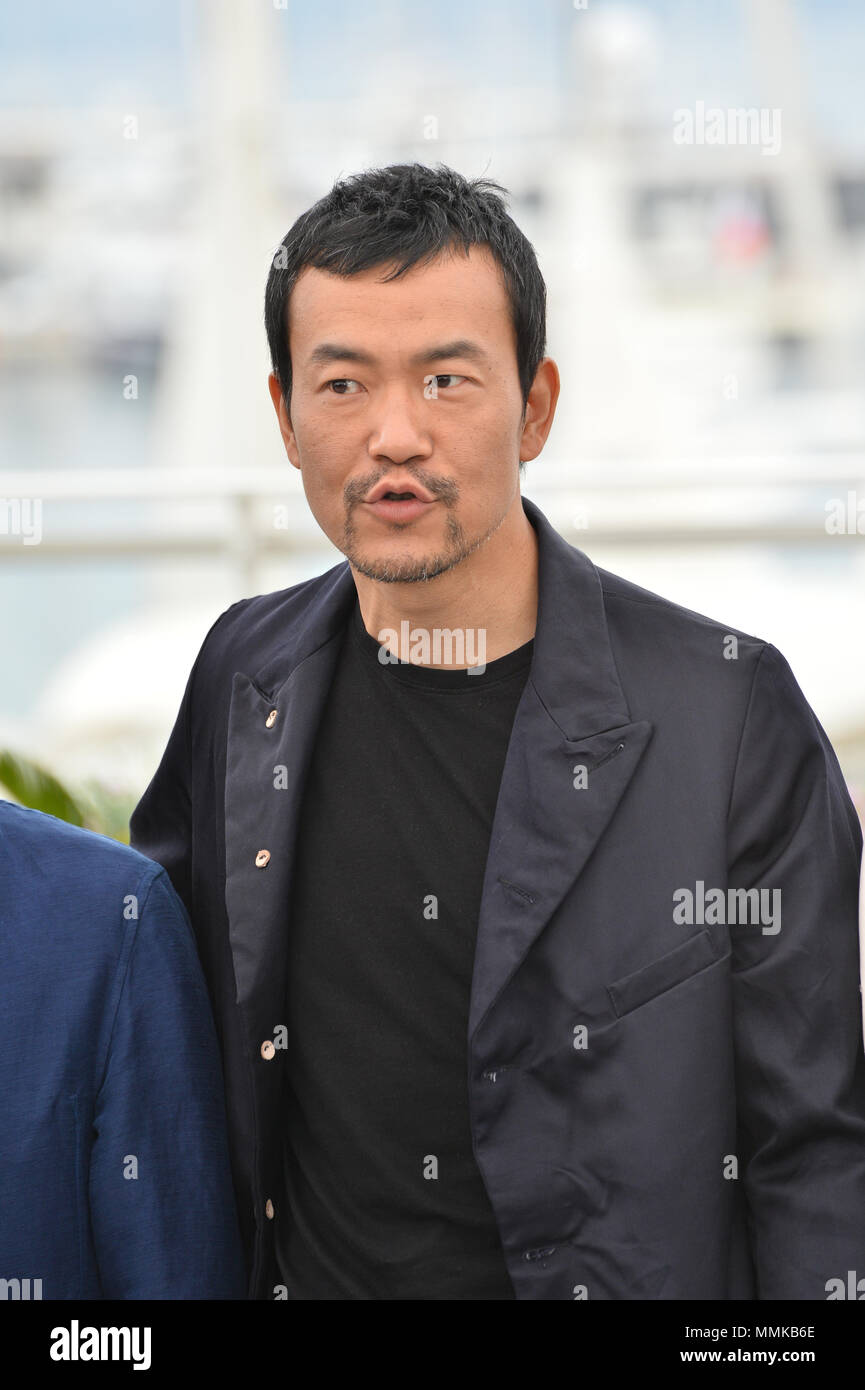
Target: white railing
(247, 515)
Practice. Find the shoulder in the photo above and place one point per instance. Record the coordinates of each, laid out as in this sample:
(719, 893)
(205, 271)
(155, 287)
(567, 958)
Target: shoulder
(628, 603)
(681, 640)
(254, 627)
(710, 687)
(47, 860)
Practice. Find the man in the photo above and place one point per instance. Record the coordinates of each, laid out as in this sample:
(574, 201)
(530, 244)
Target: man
(114, 1173)
(534, 958)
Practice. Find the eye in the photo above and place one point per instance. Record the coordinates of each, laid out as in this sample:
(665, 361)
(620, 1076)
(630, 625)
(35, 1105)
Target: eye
(342, 381)
(441, 382)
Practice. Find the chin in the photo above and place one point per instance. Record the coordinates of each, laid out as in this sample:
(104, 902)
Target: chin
(402, 568)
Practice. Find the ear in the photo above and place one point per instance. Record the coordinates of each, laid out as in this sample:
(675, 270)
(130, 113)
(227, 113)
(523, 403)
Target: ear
(540, 410)
(284, 419)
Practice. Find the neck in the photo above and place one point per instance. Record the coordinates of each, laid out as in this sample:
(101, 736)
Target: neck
(491, 596)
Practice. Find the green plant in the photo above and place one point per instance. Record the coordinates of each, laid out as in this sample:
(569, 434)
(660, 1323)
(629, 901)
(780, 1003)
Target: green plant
(93, 806)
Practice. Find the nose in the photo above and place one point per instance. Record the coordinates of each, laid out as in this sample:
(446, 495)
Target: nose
(400, 431)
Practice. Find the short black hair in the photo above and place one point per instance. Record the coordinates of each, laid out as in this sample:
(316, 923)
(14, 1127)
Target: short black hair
(404, 214)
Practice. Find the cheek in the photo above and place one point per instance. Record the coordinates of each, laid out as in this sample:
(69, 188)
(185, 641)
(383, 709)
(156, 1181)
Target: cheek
(488, 433)
(322, 451)
(323, 493)
(314, 435)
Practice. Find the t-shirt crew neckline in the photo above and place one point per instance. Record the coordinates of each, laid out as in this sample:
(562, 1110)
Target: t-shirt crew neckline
(431, 676)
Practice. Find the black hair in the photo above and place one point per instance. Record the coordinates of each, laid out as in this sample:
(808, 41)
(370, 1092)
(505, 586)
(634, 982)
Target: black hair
(404, 214)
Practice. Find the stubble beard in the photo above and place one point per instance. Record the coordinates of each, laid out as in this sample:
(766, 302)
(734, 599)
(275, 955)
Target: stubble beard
(411, 569)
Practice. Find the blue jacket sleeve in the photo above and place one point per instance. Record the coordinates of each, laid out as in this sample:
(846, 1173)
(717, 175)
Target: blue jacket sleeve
(800, 1068)
(162, 1205)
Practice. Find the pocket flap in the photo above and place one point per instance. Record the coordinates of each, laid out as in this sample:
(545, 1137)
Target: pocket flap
(660, 975)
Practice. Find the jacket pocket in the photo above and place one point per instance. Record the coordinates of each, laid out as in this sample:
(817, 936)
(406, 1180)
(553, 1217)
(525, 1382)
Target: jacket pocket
(670, 970)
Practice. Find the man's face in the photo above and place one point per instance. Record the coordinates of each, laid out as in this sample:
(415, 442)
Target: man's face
(412, 383)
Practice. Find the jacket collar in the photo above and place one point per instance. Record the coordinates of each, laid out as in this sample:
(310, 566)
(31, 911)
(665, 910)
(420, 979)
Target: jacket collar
(572, 668)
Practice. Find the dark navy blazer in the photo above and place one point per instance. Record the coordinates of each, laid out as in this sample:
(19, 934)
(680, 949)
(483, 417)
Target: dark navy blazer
(667, 1097)
(114, 1171)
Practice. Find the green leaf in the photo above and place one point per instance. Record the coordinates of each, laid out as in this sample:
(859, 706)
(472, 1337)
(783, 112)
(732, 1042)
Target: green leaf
(37, 788)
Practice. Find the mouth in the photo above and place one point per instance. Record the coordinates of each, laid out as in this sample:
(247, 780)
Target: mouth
(400, 504)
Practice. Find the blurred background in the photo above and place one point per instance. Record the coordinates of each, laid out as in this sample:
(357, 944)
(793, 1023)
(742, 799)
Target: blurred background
(692, 177)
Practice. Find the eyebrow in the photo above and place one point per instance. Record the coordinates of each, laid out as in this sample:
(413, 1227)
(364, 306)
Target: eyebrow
(439, 352)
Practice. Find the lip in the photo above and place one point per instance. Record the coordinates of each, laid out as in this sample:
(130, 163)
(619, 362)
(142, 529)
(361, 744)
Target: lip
(398, 485)
(399, 511)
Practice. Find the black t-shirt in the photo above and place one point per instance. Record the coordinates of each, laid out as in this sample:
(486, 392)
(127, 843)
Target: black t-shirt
(385, 1199)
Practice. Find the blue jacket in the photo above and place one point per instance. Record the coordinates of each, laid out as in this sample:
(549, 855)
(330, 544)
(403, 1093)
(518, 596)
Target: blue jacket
(114, 1172)
(666, 1085)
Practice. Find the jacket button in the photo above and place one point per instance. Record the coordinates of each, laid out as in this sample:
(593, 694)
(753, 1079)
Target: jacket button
(267, 1050)
(262, 859)
(271, 719)
(268, 1209)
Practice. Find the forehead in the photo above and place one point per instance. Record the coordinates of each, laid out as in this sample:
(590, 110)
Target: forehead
(456, 295)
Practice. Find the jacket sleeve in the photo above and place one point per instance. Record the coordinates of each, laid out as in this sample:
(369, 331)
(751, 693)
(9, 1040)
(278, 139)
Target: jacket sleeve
(800, 1068)
(162, 1206)
(161, 824)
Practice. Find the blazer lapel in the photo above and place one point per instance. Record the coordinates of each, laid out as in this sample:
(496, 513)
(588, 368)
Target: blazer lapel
(572, 752)
(272, 728)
